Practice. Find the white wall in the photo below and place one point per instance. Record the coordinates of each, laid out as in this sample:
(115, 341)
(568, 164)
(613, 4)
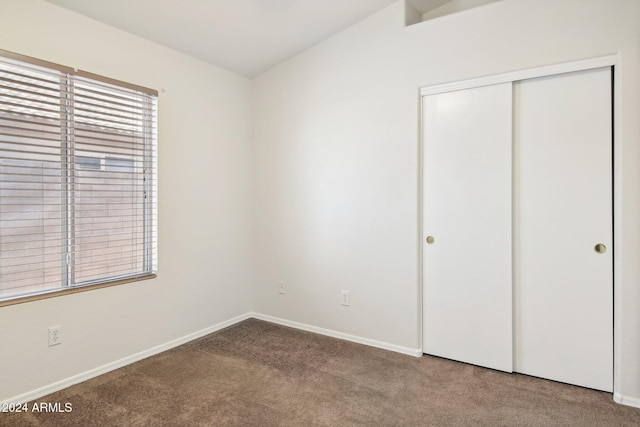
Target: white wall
(204, 206)
(336, 149)
(454, 6)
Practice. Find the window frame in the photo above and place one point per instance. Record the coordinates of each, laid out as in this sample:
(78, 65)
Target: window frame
(149, 270)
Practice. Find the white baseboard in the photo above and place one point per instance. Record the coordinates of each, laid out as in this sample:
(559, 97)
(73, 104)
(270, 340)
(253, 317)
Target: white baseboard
(624, 400)
(416, 352)
(92, 373)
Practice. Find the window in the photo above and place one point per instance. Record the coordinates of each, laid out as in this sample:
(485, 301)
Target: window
(88, 163)
(119, 165)
(77, 180)
(109, 163)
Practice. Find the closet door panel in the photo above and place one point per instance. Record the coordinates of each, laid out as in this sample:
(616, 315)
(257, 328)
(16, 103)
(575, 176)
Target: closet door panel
(564, 287)
(467, 274)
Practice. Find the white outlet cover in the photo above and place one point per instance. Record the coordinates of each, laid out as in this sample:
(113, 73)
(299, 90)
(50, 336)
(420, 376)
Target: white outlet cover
(345, 298)
(55, 335)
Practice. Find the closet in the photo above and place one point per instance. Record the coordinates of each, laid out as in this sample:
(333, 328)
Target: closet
(517, 225)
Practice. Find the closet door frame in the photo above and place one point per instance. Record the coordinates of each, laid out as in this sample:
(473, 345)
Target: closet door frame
(550, 70)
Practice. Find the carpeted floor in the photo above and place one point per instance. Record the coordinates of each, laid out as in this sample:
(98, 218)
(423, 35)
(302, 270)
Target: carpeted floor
(259, 374)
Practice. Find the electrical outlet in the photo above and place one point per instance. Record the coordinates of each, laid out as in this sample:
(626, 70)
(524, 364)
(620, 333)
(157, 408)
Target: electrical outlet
(345, 298)
(281, 287)
(55, 335)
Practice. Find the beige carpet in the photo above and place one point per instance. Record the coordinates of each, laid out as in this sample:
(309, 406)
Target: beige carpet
(259, 374)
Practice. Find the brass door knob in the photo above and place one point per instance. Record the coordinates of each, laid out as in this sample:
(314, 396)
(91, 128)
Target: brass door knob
(430, 239)
(600, 248)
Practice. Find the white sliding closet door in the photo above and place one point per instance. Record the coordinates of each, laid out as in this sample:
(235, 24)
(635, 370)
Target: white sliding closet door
(467, 203)
(563, 294)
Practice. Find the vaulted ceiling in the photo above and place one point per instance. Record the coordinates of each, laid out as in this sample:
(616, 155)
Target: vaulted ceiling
(243, 36)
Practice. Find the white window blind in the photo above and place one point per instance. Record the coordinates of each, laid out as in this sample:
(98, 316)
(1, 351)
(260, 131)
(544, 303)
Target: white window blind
(77, 180)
